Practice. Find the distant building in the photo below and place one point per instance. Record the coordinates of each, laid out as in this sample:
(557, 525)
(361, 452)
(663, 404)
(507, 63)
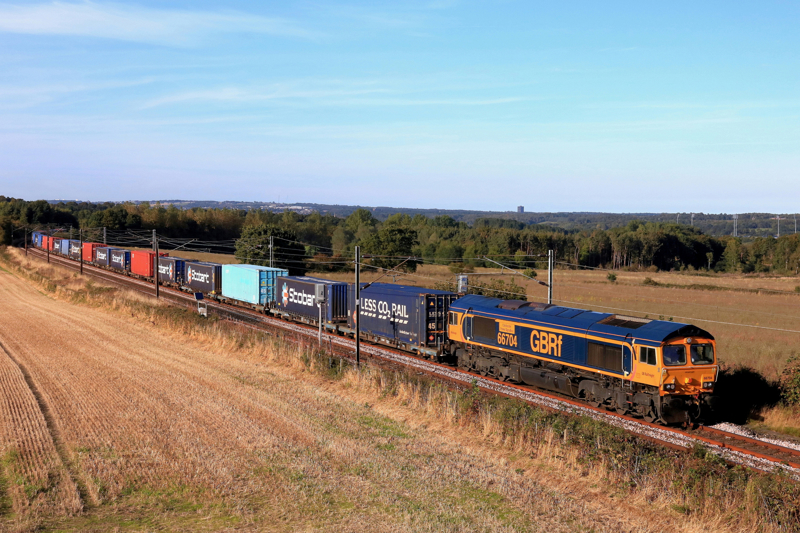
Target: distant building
(520, 209)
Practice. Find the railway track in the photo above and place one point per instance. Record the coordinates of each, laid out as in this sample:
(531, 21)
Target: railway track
(738, 449)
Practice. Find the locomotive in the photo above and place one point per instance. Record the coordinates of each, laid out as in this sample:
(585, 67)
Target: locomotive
(657, 370)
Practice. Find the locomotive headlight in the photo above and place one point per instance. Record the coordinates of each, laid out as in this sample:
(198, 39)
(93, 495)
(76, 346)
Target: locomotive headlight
(708, 384)
(669, 386)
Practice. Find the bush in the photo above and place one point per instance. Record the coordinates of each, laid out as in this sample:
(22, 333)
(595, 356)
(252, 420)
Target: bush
(611, 277)
(650, 281)
(531, 273)
(790, 381)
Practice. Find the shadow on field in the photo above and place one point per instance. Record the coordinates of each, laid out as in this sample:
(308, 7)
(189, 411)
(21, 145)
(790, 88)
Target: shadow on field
(740, 391)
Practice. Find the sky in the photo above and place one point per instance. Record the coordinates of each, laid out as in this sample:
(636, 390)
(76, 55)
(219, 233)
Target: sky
(557, 106)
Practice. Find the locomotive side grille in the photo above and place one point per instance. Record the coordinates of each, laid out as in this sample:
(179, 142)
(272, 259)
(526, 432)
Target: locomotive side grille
(605, 356)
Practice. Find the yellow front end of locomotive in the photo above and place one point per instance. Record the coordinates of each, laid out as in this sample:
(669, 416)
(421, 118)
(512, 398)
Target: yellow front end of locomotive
(688, 367)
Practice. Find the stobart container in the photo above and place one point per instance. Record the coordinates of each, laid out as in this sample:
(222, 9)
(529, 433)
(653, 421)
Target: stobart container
(120, 259)
(297, 296)
(202, 276)
(171, 269)
(142, 262)
(75, 249)
(88, 250)
(250, 283)
(411, 316)
(102, 255)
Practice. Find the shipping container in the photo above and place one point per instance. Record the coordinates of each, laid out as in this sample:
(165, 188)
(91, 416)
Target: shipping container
(142, 262)
(172, 269)
(75, 249)
(203, 277)
(88, 250)
(35, 238)
(410, 317)
(120, 260)
(65, 244)
(250, 283)
(297, 296)
(102, 255)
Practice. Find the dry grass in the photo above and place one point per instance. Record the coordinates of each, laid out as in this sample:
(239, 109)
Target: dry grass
(781, 419)
(167, 421)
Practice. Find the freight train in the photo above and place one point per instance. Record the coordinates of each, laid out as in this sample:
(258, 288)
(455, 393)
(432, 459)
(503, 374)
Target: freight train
(657, 370)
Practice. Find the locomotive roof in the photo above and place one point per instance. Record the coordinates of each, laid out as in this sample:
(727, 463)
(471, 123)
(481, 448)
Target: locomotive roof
(580, 320)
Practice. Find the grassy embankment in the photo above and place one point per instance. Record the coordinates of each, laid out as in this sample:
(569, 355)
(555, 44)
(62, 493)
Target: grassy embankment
(594, 460)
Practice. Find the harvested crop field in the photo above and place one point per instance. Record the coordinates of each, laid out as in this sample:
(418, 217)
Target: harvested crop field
(115, 424)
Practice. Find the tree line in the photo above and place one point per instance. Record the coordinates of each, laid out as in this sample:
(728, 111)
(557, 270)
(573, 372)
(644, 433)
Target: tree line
(326, 242)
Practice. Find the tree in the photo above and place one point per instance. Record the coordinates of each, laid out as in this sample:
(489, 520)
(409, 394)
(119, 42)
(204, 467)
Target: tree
(393, 246)
(253, 248)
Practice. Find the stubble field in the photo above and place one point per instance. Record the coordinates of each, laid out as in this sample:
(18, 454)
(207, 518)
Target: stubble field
(111, 423)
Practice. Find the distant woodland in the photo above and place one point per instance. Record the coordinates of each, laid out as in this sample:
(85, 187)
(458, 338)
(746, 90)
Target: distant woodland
(327, 241)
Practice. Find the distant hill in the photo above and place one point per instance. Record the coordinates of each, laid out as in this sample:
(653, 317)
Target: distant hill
(749, 224)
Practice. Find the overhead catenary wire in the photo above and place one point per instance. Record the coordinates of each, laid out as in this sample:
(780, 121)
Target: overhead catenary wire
(130, 237)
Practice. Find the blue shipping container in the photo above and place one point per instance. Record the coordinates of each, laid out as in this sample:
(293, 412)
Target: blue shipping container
(250, 283)
(66, 246)
(296, 295)
(172, 269)
(203, 277)
(120, 259)
(102, 256)
(414, 316)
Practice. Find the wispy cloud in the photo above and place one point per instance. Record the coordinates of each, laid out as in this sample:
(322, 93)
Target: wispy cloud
(373, 96)
(136, 23)
(25, 96)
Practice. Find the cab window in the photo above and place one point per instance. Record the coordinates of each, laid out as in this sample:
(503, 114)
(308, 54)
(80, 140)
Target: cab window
(647, 355)
(702, 354)
(453, 319)
(674, 355)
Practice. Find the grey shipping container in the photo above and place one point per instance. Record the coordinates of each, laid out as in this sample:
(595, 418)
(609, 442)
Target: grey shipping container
(172, 269)
(296, 295)
(75, 249)
(120, 259)
(203, 277)
(412, 316)
(102, 256)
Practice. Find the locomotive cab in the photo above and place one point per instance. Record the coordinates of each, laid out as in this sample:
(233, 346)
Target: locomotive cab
(688, 373)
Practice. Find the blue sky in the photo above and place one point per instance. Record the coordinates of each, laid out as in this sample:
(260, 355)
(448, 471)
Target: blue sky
(558, 106)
